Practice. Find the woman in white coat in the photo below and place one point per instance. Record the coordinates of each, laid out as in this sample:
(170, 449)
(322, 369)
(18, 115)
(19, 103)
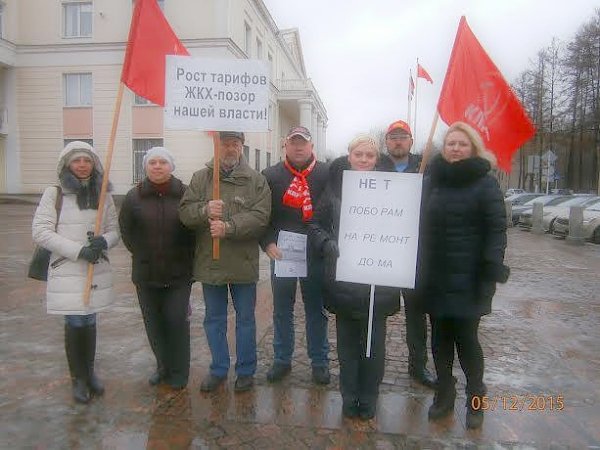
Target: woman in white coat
(69, 234)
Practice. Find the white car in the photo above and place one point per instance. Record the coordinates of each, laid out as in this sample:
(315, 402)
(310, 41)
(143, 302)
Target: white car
(591, 224)
(513, 191)
(550, 213)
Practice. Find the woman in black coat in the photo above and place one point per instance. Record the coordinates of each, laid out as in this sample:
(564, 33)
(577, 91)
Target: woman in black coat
(463, 238)
(360, 376)
(163, 252)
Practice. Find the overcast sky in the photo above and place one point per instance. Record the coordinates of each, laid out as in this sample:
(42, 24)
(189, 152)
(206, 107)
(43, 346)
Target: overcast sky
(358, 53)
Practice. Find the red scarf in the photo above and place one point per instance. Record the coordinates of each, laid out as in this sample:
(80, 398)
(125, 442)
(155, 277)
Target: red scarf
(298, 194)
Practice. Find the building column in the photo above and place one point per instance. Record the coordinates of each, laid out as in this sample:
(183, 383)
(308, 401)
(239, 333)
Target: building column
(324, 140)
(306, 113)
(12, 154)
(319, 143)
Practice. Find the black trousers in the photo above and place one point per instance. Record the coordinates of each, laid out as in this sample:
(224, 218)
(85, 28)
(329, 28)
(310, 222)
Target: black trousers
(360, 376)
(445, 335)
(416, 331)
(166, 317)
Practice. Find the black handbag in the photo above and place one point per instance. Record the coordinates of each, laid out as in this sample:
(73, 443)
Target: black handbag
(38, 266)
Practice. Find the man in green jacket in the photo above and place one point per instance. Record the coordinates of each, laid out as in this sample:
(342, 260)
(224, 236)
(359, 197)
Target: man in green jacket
(238, 219)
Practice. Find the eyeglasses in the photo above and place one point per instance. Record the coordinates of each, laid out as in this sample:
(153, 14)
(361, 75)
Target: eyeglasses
(399, 137)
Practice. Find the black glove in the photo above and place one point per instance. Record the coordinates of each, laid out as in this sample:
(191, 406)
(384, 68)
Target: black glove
(89, 254)
(98, 243)
(331, 249)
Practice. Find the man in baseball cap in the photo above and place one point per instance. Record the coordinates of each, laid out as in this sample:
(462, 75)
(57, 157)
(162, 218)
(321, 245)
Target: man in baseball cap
(299, 131)
(296, 185)
(398, 140)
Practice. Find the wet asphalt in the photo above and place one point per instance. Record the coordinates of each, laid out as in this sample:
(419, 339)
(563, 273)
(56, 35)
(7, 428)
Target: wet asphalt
(541, 345)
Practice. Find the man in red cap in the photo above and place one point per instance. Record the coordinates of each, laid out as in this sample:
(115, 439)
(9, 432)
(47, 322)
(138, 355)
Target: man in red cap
(398, 141)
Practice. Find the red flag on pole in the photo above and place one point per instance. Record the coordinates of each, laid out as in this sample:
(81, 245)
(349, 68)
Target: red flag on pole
(150, 40)
(475, 92)
(422, 73)
(411, 87)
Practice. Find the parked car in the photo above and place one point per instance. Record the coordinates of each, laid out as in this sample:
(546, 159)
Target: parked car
(591, 224)
(520, 199)
(546, 200)
(552, 212)
(513, 191)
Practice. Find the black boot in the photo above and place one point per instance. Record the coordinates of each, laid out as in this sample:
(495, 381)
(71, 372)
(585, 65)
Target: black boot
(74, 347)
(95, 385)
(474, 417)
(443, 400)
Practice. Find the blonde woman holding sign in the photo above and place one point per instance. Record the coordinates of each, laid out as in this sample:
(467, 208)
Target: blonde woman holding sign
(360, 376)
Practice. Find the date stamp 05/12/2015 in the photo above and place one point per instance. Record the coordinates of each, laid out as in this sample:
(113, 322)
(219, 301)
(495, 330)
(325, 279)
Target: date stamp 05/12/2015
(518, 402)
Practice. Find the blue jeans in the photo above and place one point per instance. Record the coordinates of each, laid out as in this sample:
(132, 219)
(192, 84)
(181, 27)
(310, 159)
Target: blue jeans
(284, 297)
(80, 321)
(215, 327)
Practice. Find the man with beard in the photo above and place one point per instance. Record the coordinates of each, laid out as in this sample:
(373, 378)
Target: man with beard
(398, 141)
(238, 219)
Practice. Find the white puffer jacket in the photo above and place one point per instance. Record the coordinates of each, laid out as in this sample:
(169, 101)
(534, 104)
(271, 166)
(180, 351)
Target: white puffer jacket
(67, 274)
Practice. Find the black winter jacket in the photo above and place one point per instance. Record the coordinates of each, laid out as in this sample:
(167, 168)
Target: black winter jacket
(340, 297)
(284, 217)
(463, 239)
(162, 248)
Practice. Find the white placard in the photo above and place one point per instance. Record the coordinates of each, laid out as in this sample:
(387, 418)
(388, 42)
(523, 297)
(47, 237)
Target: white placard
(293, 249)
(216, 94)
(379, 228)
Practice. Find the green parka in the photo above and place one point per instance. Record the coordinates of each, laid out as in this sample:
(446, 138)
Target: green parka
(247, 208)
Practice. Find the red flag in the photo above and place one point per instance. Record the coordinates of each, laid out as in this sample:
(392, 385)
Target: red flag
(422, 73)
(475, 92)
(150, 40)
(411, 87)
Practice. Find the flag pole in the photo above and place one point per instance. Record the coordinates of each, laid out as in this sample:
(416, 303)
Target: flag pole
(102, 200)
(409, 96)
(416, 105)
(428, 146)
(370, 323)
(216, 180)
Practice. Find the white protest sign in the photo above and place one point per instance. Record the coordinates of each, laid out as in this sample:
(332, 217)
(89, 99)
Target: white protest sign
(379, 228)
(216, 94)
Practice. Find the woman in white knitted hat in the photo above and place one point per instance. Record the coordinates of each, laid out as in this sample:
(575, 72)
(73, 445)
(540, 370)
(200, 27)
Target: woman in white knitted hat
(64, 223)
(162, 251)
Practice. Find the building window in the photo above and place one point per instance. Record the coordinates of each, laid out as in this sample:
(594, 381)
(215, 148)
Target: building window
(248, 37)
(247, 153)
(270, 58)
(77, 19)
(257, 159)
(140, 147)
(268, 159)
(138, 100)
(78, 89)
(258, 48)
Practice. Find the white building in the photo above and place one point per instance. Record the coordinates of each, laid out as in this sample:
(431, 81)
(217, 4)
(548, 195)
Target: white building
(60, 66)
